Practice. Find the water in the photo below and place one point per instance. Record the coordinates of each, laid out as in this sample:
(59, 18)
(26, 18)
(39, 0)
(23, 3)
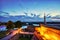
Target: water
(35, 24)
(3, 28)
(23, 27)
(57, 26)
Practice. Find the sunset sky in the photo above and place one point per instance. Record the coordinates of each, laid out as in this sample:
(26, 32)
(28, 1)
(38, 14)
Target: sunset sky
(38, 7)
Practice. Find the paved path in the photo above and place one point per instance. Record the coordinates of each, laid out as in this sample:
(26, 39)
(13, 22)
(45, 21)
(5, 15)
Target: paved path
(14, 33)
(11, 35)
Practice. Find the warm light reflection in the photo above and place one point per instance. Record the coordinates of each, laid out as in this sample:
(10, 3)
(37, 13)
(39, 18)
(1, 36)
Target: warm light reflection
(17, 31)
(14, 32)
(48, 33)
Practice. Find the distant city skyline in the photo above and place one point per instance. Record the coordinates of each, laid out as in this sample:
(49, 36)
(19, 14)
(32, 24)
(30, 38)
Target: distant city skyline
(38, 7)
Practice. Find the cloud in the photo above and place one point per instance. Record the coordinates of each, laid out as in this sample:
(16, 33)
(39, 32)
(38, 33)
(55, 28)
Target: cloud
(31, 18)
(4, 13)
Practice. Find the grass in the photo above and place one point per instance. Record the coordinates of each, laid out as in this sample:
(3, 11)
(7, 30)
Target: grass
(23, 38)
(2, 34)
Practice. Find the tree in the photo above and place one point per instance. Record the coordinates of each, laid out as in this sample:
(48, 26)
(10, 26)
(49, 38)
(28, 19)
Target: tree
(10, 25)
(18, 24)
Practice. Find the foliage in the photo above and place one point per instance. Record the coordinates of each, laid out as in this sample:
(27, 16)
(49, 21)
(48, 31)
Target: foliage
(10, 25)
(23, 38)
(2, 34)
(18, 24)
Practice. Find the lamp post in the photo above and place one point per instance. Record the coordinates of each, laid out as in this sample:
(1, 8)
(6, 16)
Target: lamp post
(44, 18)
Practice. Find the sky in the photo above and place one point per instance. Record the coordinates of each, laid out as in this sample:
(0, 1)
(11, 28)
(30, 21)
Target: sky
(38, 7)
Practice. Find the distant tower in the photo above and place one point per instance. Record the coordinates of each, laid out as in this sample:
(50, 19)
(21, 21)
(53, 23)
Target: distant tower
(44, 18)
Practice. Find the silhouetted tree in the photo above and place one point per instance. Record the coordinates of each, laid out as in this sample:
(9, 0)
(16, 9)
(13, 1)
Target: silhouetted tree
(0, 23)
(10, 25)
(18, 24)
